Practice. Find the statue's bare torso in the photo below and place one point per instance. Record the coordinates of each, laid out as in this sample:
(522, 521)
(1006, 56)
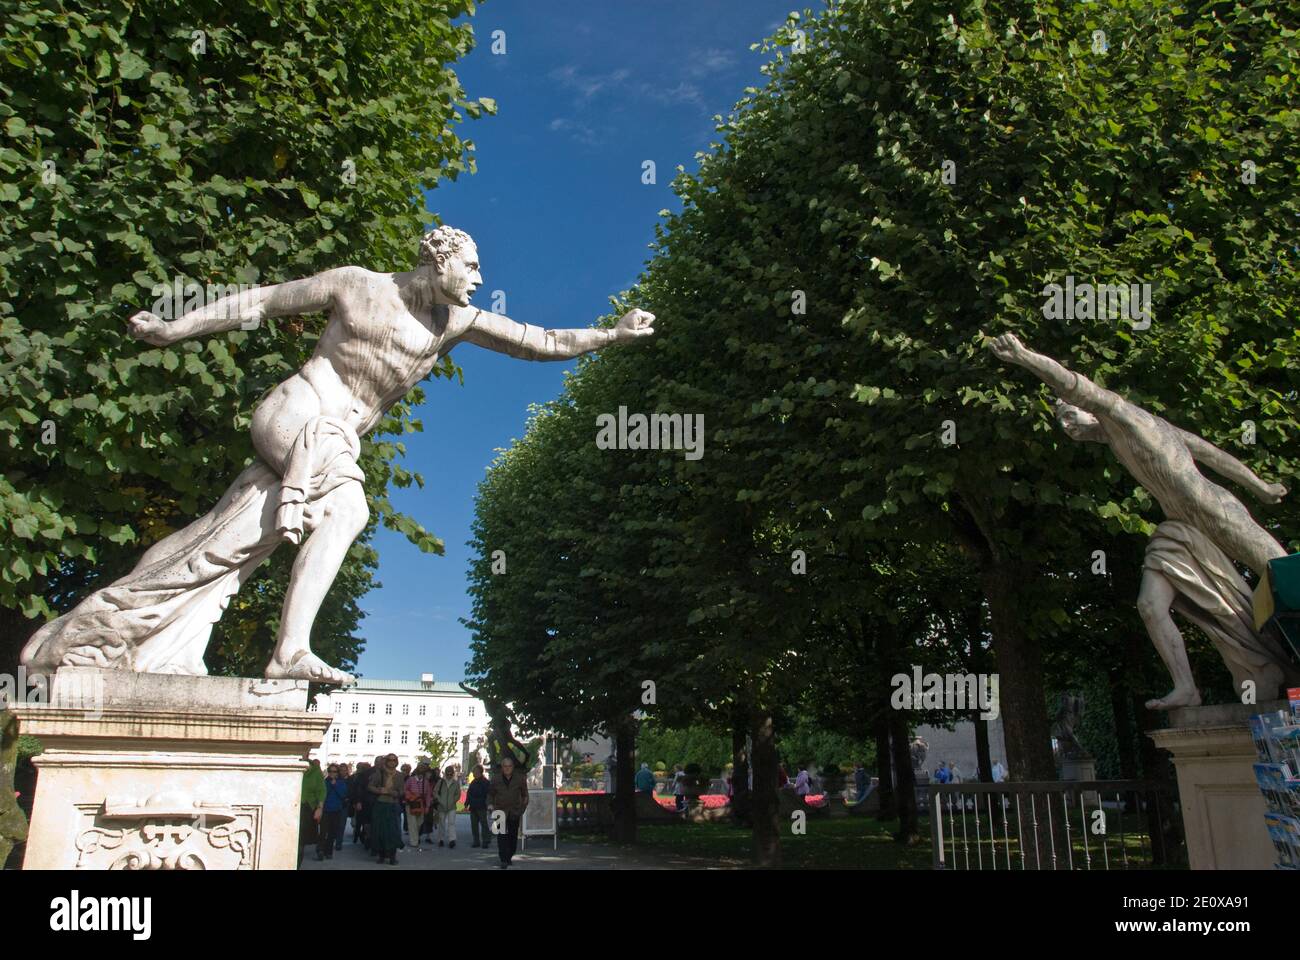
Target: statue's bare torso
(374, 349)
(1153, 451)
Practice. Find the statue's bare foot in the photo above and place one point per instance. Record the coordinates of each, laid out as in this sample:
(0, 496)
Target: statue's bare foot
(305, 665)
(1187, 697)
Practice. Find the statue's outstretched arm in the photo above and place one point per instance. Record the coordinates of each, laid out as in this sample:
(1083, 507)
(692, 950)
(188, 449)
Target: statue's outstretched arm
(1071, 387)
(527, 342)
(242, 310)
(1230, 468)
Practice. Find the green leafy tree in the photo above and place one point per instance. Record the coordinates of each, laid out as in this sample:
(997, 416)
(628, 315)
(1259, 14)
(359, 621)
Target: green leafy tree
(823, 300)
(438, 749)
(149, 145)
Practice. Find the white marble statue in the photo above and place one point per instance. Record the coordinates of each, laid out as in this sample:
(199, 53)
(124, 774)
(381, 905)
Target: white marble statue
(1188, 564)
(385, 333)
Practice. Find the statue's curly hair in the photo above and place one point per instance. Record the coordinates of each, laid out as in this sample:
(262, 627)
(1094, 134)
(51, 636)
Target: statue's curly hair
(445, 241)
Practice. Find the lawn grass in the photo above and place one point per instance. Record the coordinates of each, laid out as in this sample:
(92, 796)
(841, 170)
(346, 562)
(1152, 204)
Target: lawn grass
(860, 843)
(857, 843)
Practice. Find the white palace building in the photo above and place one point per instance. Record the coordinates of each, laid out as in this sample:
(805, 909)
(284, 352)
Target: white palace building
(376, 717)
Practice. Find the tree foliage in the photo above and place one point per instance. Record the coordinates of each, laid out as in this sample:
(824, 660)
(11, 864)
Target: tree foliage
(824, 298)
(155, 144)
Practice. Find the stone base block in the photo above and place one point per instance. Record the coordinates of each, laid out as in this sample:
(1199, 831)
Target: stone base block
(1223, 810)
(161, 772)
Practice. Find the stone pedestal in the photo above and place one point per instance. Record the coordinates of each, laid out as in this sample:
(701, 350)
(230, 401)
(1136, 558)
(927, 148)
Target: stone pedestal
(1223, 810)
(153, 771)
(1081, 767)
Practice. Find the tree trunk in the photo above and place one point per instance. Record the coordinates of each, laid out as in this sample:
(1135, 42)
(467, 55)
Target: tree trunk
(767, 819)
(740, 798)
(15, 631)
(905, 793)
(983, 761)
(1020, 675)
(624, 802)
(13, 824)
(884, 768)
(1119, 708)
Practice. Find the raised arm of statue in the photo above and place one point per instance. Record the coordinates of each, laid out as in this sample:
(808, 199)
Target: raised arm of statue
(527, 342)
(1229, 467)
(1071, 387)
(243, 310)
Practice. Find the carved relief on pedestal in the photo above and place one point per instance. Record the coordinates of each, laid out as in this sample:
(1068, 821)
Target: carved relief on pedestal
(168, 832)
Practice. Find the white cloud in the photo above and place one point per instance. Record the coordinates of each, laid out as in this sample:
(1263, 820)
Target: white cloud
(582, 132)
(713, 60)
(587, 85)
(683, 92)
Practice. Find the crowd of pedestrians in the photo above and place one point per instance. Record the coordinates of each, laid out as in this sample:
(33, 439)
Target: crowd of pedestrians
(393, 808)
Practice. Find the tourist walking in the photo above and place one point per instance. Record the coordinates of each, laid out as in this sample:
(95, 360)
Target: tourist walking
(645, 780)
(359, 798)
(448, 795)
(803, 782)
(508, 793)
(313, 794)
(371, 810)
(345, 774)
(418, 794)
(386, 787)
(476, 799)
(431, 814)
(859, 782)
(679, 787)
(333, 808)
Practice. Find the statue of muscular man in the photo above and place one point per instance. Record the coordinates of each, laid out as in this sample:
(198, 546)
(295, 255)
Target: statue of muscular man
(385, 333)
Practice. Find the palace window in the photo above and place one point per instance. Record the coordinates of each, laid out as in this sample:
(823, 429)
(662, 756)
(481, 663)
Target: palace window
(471, 711)
(406, 709)
(370, 736)
(334, 737)
(388, 736)
(352, 736)
(421, 709)
(356, 707)
(370, 708)
(404, 737)
(388, 709)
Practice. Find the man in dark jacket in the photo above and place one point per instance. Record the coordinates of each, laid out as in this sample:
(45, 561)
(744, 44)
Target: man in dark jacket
(476, 798)
(359, 800)
(508, 793)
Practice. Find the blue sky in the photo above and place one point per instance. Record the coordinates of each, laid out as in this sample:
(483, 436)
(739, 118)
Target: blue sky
(586, 92)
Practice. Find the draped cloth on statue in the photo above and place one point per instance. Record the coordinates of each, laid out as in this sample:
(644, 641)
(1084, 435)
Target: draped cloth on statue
(159, 617)
(1215, 597)
(323, 457)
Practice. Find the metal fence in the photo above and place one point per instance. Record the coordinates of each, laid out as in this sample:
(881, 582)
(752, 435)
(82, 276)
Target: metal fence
(1056, 825)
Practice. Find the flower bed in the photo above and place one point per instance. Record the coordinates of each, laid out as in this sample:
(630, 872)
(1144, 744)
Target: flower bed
(710, 801)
